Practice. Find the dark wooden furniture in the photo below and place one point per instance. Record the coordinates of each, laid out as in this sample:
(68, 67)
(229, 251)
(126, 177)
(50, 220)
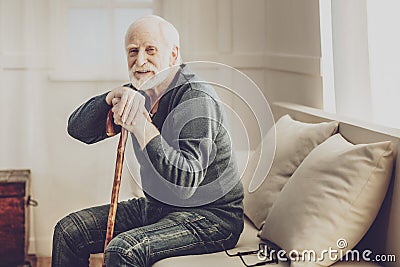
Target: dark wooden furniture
(14, 217)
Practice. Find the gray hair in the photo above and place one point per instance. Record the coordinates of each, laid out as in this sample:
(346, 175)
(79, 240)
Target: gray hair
(169, 32)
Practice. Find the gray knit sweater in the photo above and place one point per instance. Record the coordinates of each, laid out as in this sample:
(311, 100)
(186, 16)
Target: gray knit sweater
(190, 166)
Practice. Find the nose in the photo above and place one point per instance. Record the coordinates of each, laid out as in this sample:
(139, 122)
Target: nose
(141, 58)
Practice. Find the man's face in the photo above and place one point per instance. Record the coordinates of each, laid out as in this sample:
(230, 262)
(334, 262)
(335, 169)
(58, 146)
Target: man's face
(147, 53)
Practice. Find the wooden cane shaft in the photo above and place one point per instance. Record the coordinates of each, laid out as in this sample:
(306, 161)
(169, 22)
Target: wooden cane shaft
(116, 185)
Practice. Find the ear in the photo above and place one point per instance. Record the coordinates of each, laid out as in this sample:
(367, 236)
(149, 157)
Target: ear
(174, 56)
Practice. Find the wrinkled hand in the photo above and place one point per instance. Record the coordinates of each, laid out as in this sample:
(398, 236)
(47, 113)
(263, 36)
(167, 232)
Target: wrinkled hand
(128, 106)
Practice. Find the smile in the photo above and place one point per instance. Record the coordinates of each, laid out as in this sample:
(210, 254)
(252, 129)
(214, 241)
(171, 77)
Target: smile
(143, 71)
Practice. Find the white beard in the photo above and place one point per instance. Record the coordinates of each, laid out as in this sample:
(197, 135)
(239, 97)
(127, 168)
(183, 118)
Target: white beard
(156, 80)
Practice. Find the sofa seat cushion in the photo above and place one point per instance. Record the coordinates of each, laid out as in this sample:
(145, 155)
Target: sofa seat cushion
(248, 241)
(343, 264)
(355, 264)
(219, 259)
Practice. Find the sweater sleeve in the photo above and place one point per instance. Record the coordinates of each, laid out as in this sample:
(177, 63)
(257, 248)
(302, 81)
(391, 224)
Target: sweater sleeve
(186, 148)
(88, 122)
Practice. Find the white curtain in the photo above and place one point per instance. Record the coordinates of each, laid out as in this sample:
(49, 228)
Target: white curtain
(366, 58)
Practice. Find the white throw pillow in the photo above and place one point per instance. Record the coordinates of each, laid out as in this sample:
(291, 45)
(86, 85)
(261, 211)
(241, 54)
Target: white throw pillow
(335, 194)
(294, 141)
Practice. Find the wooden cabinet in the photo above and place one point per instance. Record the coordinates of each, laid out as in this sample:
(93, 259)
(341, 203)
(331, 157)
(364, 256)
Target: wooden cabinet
(14, 217)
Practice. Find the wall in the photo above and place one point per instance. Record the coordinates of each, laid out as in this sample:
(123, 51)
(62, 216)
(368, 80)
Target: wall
(274, 42)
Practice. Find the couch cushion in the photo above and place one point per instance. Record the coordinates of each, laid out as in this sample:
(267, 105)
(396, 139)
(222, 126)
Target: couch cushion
(248, 241)
(355, 264)
(334, 194)
(341, 264)
(294, 141)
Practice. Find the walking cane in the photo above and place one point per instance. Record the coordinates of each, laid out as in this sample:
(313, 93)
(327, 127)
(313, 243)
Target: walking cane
(117, 178)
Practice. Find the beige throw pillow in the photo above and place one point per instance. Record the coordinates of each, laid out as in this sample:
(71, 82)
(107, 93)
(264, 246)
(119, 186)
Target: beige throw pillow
(294, 141)
(333, 196)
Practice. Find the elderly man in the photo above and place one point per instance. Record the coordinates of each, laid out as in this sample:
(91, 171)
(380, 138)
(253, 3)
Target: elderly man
(193, 202)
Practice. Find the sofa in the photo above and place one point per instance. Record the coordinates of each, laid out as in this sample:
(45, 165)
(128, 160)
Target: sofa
(380, 233)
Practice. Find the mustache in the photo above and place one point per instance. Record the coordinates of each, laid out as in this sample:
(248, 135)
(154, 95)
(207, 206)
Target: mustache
(145, 67)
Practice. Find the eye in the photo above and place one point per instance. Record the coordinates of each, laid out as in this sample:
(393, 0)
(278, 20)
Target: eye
(151, 50)
(133, 51)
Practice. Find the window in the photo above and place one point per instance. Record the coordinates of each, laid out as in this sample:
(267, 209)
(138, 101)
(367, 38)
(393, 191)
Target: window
(365, 57)
(88, 37)
(384, 60)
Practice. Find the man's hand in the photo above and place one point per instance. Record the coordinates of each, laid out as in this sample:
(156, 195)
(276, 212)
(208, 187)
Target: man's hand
(127, 104)
(130, 113)
(143, 129)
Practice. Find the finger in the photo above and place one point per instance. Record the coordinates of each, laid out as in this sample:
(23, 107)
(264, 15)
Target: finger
(114, 93)
(116, 111)
(124, 100)
(127, 108)
(115, 100)
(137, 104)
(109, 97)
(130, 116)
(117, 119)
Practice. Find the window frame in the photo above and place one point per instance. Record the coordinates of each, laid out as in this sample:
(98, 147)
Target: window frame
(60, 69)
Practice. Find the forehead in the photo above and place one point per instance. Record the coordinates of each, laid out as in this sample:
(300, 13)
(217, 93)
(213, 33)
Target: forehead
(144, 33)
